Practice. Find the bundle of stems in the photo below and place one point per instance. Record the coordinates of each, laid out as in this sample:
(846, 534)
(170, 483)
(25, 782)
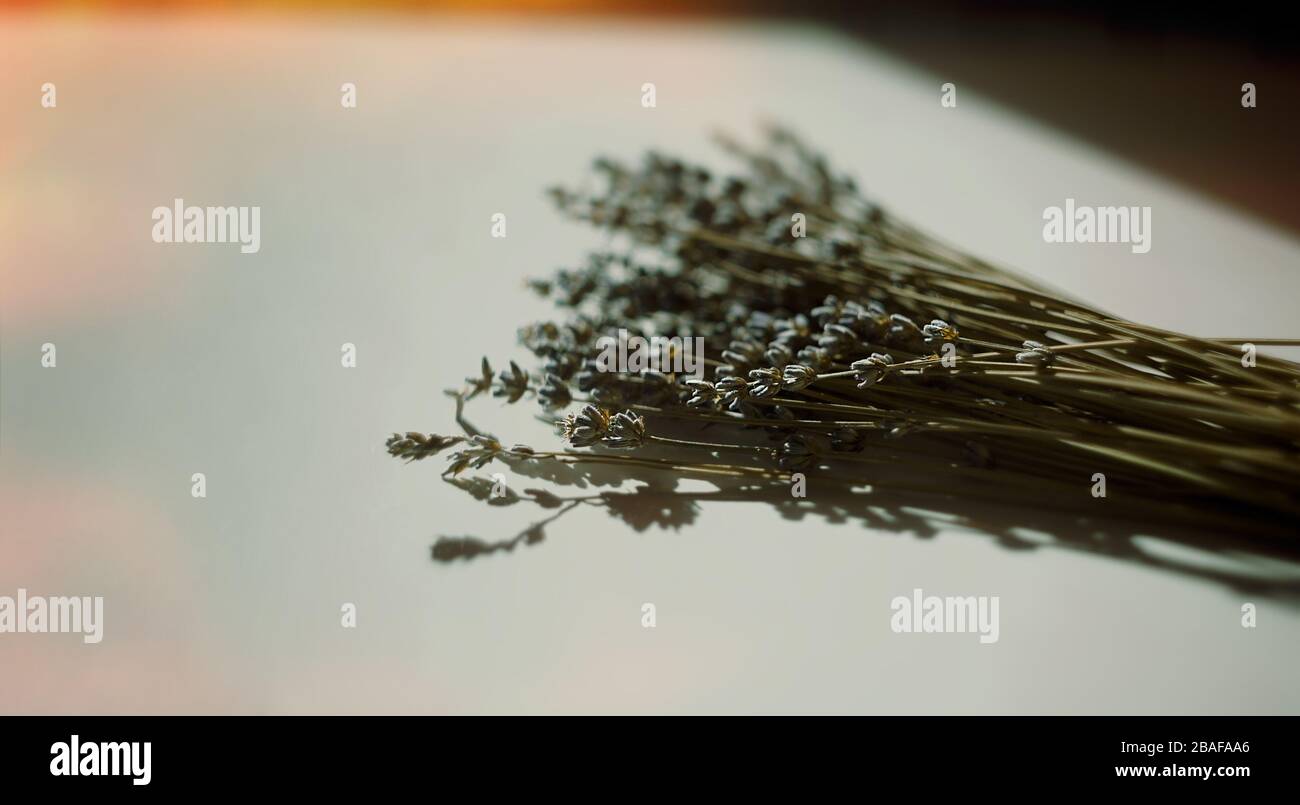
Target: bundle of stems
(862, 350)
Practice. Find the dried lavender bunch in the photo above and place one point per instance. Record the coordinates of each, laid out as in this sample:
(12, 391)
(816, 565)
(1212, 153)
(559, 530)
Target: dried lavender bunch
(870, 352)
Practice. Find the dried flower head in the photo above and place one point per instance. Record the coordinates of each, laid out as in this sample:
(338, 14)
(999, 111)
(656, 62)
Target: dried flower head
(554, 393)
(764, 382)
(901, 330)
(839, 340)
(703, 394)
(626, 431)
(414, 446)
(585, 428)
(815, 358)
(1036, 354)
(778, 354)
(869, 371)
(797, 378)
(511, 383)
(733, 389)
(939, 330)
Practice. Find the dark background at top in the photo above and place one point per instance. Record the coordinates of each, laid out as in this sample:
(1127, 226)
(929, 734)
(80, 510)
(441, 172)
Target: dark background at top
(1155, 83)
(1158, 84)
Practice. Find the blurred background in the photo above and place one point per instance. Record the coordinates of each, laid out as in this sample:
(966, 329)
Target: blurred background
(1152, 82)
(176, 359)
